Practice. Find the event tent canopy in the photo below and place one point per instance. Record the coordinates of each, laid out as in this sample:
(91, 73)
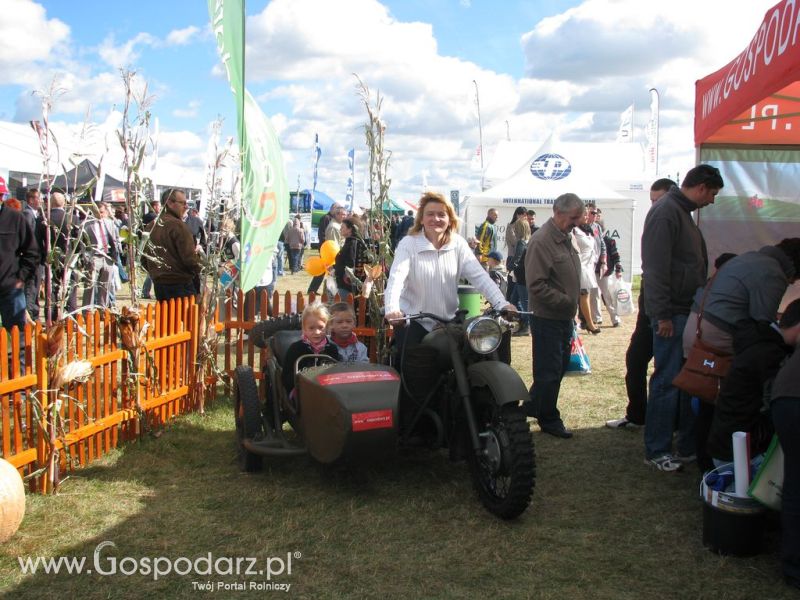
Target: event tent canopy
(84, 176)
(746, 125)
(547, 173)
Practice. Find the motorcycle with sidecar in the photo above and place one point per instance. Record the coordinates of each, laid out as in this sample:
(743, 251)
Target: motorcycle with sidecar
(455, 393)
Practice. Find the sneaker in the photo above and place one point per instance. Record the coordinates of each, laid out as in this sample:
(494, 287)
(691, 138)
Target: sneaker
(684, 459)
(622, 423)
(666, 463)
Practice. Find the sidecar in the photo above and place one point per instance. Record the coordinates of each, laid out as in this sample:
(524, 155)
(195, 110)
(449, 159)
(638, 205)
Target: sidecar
(339, 412)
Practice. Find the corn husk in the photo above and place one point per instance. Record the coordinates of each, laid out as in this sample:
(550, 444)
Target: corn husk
(55, 336)
(77, 371)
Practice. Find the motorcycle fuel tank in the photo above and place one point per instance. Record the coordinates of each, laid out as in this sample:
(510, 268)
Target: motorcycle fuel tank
(349, 411)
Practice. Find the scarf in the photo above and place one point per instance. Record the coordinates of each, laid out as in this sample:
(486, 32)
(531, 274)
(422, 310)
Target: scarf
(351, 341)
(317, 348)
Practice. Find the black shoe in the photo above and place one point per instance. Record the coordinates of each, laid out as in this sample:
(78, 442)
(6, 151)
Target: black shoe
(558, 431)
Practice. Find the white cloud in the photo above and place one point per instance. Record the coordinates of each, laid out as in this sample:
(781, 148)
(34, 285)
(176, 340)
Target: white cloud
(29, 39)
(600, 56)
(182, 37)
(125, 54)
(188, 112)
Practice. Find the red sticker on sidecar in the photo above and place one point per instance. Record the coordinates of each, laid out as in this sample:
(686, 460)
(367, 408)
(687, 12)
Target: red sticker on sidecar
(374, 419)
(357, 377)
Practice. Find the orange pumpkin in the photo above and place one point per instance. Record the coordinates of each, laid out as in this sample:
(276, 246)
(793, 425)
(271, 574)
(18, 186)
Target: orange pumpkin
(12, 500)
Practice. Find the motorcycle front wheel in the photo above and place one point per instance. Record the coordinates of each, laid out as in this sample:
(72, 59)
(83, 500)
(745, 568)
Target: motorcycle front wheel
(504, 472)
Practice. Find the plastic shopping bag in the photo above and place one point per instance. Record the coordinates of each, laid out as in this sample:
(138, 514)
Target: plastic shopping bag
(578, 360)
(621, 296)
(767, 486)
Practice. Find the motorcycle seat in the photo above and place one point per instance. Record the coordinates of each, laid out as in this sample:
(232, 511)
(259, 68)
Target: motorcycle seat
(279, 343)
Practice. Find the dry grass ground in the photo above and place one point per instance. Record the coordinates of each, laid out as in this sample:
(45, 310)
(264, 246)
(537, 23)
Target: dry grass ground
(601, 525)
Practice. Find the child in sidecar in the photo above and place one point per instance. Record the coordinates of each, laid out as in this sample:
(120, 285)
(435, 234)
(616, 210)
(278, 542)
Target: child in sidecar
(314, 341)
(342, 323)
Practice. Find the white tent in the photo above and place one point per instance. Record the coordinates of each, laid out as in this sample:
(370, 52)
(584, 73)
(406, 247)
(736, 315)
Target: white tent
(20, 154)
(547, 173)
(619, 166)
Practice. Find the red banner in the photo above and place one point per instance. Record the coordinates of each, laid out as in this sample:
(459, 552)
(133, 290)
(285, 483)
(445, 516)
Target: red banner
(769, 63)
(374, 419)
(773, 120)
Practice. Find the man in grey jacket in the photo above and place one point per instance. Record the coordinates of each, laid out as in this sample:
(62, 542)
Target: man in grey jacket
(674, 265)
(552, 273)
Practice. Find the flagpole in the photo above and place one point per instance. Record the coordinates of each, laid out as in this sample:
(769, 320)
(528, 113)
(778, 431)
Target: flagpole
(480, 129)
(242, 141)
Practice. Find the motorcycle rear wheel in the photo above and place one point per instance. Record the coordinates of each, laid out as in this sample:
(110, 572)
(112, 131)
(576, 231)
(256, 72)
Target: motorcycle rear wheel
(505, 473)
(247, 413)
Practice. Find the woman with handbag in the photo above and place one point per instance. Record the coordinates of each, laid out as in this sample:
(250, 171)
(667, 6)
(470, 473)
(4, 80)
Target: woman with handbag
(748, 286)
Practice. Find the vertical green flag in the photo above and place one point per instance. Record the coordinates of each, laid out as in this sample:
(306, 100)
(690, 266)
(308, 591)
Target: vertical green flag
(265, 194)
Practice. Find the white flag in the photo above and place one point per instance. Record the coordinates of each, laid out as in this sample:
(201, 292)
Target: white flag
(651, 158)
(625, 133)
(475, 165)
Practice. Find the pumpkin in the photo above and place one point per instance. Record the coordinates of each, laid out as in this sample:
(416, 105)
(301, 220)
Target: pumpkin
(12, 500)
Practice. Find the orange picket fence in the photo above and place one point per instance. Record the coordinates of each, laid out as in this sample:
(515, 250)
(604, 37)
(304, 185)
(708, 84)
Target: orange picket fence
(132, 388)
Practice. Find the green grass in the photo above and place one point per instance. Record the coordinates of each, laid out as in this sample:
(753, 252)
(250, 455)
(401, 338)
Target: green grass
(601, 525)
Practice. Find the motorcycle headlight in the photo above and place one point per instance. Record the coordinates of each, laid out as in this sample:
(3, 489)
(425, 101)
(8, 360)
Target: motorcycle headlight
(484, 335)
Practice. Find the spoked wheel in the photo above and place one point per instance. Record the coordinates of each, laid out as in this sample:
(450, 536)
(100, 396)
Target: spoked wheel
(247, 412)
(505, 471)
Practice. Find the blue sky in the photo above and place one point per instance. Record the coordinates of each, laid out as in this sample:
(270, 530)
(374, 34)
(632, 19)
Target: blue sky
(562, 65)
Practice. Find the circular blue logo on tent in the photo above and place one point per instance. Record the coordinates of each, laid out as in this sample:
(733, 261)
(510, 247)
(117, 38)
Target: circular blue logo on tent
(550, 167)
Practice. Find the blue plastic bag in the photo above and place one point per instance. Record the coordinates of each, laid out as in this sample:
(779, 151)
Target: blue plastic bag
(579, 359)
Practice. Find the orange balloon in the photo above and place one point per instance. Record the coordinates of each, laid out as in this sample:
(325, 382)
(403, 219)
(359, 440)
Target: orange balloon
(328, 252)
(315, 266)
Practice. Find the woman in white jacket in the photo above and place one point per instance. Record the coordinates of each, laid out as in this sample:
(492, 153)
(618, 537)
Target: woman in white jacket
(428, 264)
(587, 250)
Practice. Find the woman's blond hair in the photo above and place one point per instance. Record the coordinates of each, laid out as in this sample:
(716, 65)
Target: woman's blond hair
(426, 199)
(317, 309)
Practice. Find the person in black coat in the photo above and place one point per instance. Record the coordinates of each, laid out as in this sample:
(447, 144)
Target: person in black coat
(350, 256)
(760, 349)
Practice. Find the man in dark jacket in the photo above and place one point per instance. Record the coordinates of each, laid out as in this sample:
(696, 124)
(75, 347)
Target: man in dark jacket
(785, 409)
(170, 255)
(33, 214)
(19, 258)
(148, 218)
(640, 348)
(552, 273)
(674, 265)
(760, 349)
(61, 231)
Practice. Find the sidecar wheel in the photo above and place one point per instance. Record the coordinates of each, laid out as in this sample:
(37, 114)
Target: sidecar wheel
(504, 474)
(247, 413)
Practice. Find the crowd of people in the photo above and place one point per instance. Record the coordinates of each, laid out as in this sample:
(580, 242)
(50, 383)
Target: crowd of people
(557, 277)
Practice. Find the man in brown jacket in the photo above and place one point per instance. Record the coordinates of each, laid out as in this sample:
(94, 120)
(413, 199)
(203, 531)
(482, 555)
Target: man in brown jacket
(170, 256)
(552, 273)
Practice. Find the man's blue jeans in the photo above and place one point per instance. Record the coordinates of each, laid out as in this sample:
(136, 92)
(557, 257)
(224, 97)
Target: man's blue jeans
(519, 298)
(12, 312)
(551, 347)
(667, 404)
(12, 308)
(279, 257)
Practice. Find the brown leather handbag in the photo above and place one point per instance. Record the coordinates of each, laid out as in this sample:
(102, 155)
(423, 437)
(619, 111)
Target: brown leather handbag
(706, 366)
